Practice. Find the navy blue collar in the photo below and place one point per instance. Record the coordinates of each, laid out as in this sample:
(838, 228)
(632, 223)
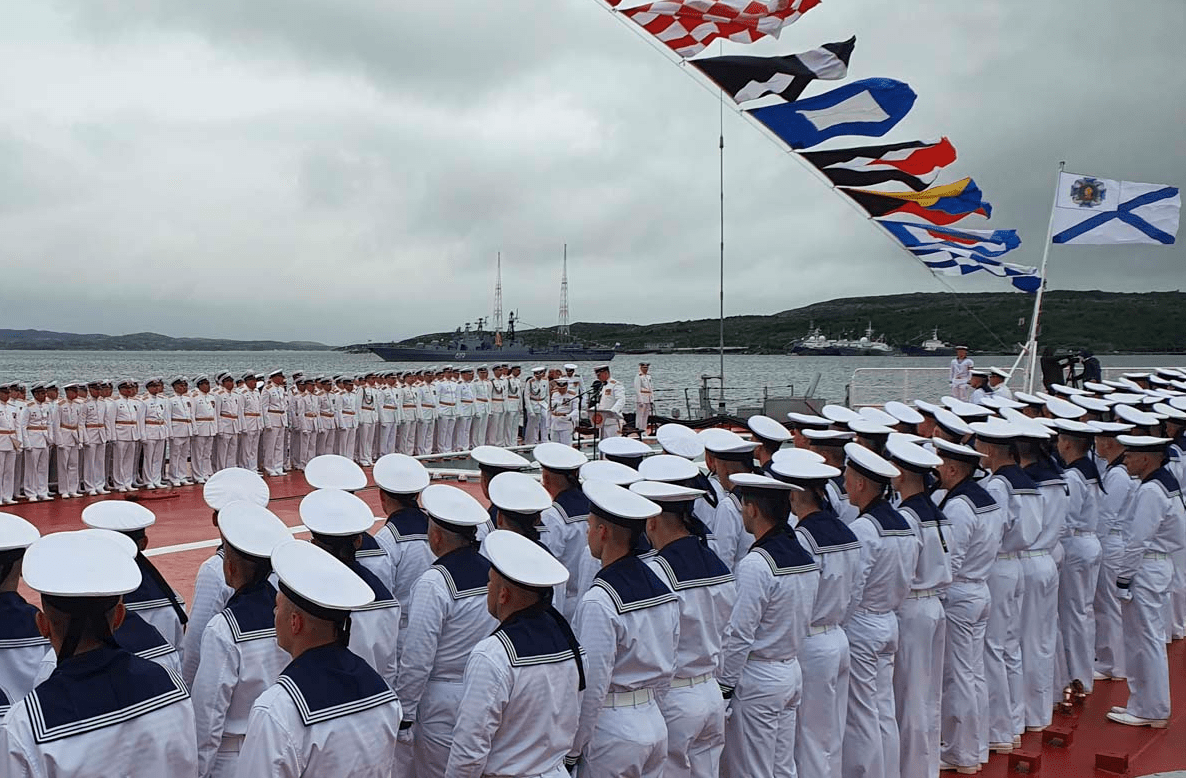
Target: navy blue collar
(827, 533)
(631, 585)
(573, 505)
(329, 682)
(926, 511)
(250, 613)
(370, 547)
(781, 550)
(383, 598)
(887, 520)
(18, 623)
(1018, 480)
(974, 493)
(1166, 479)
(141, 638)
(5, 703)
(408, 524)
(533, 637)
(1086, 467)
(1044, 473)
(690, 563)
(466, 572)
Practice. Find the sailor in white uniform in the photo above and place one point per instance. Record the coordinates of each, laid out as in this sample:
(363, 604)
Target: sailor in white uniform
(1154, 530)
(644, 397)
(10, 448)
(627, 451)
(727, 454)
(337, 521)
(889, 557)
(830, 444)
(35, 442)
(960, 375)
(22, 645)
(537, 400)
(564, 408)
(447, 618)
(514, 420)
(1118, 487)
(205, 429)
(329, 713)
(404, 536)
(482, 387)
(693, 707)
(567, 517)
(103, 711)
(673, 469)
(211, 591)
(922, 625)
(628, 623)
(240, 658)
(996, 383)
(446, 410)
(228, 405)
(611, 402)
(777, 583)
(979, 386)
(156, 433)
(493, 460)
(274, 400)
(465, 410)
(181, 432)
(521, 690)
(574, 380)
(771, 436)
(518, 501)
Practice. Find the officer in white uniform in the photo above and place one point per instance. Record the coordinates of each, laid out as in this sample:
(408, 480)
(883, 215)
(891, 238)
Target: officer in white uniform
(68, 437)
(567, 518)
(922, 625)
(611, 402)
(996, 383)
(889, 557)
(156, 433)
(447, 618)
(538, 406)
(517, 501)
(574, 380)
(10, 448)
(229, 408)
(22, 645)
(73, 724)
(693, 707)
(1153, 530)
(777, 583)
(565, 408)
(1117, 486)
(830, 444)
(240, 658)
(206, 423)
(93, 431)
(329, 713)
(426, 424)
(348, 419)
(727, 454)
(446, 410)
(521, 689)
(465, 410)
(35, 441)
(482, 388)
(253, 422)
(181, 433)
(960, 374)
(274, 402)
(628, 623)
(644, 397)
(514, 406)
(327, 418)
(211, 591)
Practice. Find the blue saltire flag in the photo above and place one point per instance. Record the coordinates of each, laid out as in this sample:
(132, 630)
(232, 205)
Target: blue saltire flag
(872, 107)
(952, 262)
(981, 243)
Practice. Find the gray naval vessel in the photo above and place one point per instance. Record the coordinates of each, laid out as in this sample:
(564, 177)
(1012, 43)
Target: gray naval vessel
(480, 345)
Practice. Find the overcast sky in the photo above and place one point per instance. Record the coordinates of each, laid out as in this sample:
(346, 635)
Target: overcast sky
(347, 170)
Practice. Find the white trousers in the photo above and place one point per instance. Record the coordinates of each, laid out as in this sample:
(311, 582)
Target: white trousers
(92, 467)
(433, 732)
(444, 434)
(611, 426)
(347, 436)
(201, 456)
(642, 414)
(461, 432)
(561, 431)
(627, 742)
(302, 446)
(153, 467)
(248, 456)
(179, 459)
(226, 450)
(387, 438)
(871, 745)
(819, 739)
(513, 423)
(533, 431)
(1002, 653)
(1039, 635)
(496, 429)
(366, 443)
(918, 683)
(406, 436)
(1077, 583)
(122, 461)
(478, 432)
(68, 469)
(271, 446)
(695, 717)
(1109, 632)
(8, 474)
(760, 730)
(964, 708)
(1144, 640)
(37, 472)
(424, 435)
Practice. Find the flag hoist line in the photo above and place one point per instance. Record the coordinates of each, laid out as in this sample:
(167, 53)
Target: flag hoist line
(703, 82)
(1030, 351)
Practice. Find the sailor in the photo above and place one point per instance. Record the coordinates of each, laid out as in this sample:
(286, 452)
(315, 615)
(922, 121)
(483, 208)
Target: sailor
(668, 468)
(628, 622)
(327, 418)
(10, 448)
(446, 410)
(409, 397)
(156, 433)
(574, 380)
(1117, 487)
(824, 653)
(447, 617)
(35, 441)
(693, 706)
(348, 414)
(337, 473)
(521, 689)
(292, 417)
(482, 388)
(1153, 529)
(979, 385)
(338, 520)
(465, 410)
(369, 401)
(996, 383)
(229, 408)
(273, 401)
(830, 444)
(770, 436)
(109, 420)
(870, 434)
(68, 437)
(918, 663)
(22, 645)
(623, 450)
(727, 454)
(972, 539)
(181, 433)
(950, 427)
(426, 424)
(611, 401)
(94, 442)
(329, 711)
(389, 412)
(567, 518)
(644, 397)
(498, 393)
(154, 599)
(206, 423)
(514, 405)
(1080, 568)
(960, 374)
(536, 397)
(493, 460)
(239, 655)
(518, 501)
(777, 582)
(303, 411)
(908, 419)
(103, 711)
(565, 409)
(253, 423)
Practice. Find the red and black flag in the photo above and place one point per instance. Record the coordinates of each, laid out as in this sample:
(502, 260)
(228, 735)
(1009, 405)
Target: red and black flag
(914, 163)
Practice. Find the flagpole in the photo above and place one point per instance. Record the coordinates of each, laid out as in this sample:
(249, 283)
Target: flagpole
(1032, 345)
(721, 401)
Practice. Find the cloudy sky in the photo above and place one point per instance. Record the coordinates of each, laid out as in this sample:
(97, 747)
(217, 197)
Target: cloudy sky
(348, 170)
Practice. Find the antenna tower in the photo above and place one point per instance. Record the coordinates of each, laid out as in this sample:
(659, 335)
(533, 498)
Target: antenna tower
(562, 330)
(498, 296)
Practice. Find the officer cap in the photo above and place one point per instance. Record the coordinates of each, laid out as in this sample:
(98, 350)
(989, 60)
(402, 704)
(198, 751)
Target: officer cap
(235, 484)
(118, 516)
(251, 529)
(522, 561)
(335, 513)
(558, 457)
(869, 464)
(331, 471)
(400, 474)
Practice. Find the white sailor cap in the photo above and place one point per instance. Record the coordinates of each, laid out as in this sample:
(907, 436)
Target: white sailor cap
(1177, 402)
(768, 429)
(1066, 391)
(317, 583)
(1133, 416)
(233, 484)
(869, 464)
(561, 381)
(617, 505)
(1097, 387)
(1073, 428)
(952, 423)
(1028, 399)
(597, 369)
(723, 444)
(400, 474)
(1169, 411)
(909, 437)
(15, 532)
(662, 491)
(997, 430)
(1124, 398)
(1092, 404)
(1170, 372)
(331, 471)
(796, 455)
(828, 437)
(838, 414)
(802, 470)
(878, 416)
(450, 505)
(558, 457)
(523, 561)
(276, 372)
(1142, 444)
(966, 410)
(679, 440)
(1034, 428)
(496, 458)
(125, 543)
(118, 516)
(911, 456)
(335, 512)
(518, 493)
(571, 366)
(611, 472)
(867, 428)
(945, 449)
(538, 369)
(623, 447)
(999, 372)
(903, 413)
(72, 564)
(668, 467)
(752, 482)
(1135, 376)
(996, 402)
(808, 421)
(1110, 428)
(926, 407)
(1064, 409)
(251, 529)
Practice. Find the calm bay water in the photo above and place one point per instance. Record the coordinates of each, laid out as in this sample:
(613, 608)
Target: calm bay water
(747, 378)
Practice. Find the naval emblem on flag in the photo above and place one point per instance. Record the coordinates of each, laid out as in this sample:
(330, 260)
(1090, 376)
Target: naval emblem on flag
(1103, 211)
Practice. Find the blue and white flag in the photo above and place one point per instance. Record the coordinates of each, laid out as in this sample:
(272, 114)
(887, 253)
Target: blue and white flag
(1100, 210)
(978, 243)
(869, 107)
(952, 262)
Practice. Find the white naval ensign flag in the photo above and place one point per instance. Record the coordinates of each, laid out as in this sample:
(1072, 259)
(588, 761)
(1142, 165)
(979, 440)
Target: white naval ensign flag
(1104, 211)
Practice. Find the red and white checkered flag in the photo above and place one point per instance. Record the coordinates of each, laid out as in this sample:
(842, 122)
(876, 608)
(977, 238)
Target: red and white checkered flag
(689, 26)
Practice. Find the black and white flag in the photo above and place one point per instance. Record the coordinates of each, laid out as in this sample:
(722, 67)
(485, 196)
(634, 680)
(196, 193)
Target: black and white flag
(748, 78)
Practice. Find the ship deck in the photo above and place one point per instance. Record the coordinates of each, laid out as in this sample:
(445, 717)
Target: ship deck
(184, 536)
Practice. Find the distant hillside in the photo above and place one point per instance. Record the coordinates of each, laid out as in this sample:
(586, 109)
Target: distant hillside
(140, 341)
(1151, 322)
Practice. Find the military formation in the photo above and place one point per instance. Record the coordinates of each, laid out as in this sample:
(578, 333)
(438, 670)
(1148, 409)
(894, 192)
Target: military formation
(103, 436)
(883, 592)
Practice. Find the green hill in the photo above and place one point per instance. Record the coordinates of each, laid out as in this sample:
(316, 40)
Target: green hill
(140, 341)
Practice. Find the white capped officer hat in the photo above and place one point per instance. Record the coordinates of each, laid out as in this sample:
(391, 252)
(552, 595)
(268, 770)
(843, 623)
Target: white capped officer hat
(571, 366)
(523, 561)
(808, 421)
(234, 484)
(903, 413)
(610, 472)
(828, 437)
(336, 513)
(667, 468)
(767, 428)
(73, 564)
(518, 493)
(1074, 428)
(125, 543)
(999, 372)
(561, 381)
(838, 414)
(997, 403)
(723, 443)
(925, 407)
(868, 428)
(251, 529)
(15, 532)
(801, 469)
(796, 455)
(661, 492)
(450, 505)
(910, 456)
(618, 505)
(1065, 409)
(118, 516)
(597, 369)
(753, 481)
(869, 464)
(401, 474)
(948, 450)
(496, 458)
(1137, 444)
(878, 416)
(275, 373)
(679, 440)
(314, 575)
(558, 457)
(538, 369)
(952, 423)
(331, 471)
(622, 446)
(1133, 416)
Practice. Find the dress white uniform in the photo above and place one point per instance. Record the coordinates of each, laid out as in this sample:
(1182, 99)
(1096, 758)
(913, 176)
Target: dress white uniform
(1080, 571)
(568, 525)
(961, 376)
(824, 654)
(479, 432)
(405, 539)
(729, 540)
(565, 407)
(537, 411)
(777, 583)
(181, 435)
(446, 414)
(610, 404)
(68, 435)
(374, 628)
(253, 426)
(644, 400)
(156, 602)
(839, 500)
(328, 714)
(274, 402)
(1118, 488)
(10, 450)
(1039, 599)
(205, 430)
(628, 623)
(465, 416)
(136, 636)
(693, 707)
(35, 442)
(211, 595)
(447, 617)
(229, 407)
(21, 647)
(889, 555)
(156, 433)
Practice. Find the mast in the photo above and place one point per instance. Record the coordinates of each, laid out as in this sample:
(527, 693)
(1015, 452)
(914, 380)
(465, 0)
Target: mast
(721, 146)
(1031, 346)
(498, 297)
(562, 330)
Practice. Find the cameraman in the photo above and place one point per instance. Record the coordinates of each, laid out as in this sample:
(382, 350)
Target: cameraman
(1091, 370)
